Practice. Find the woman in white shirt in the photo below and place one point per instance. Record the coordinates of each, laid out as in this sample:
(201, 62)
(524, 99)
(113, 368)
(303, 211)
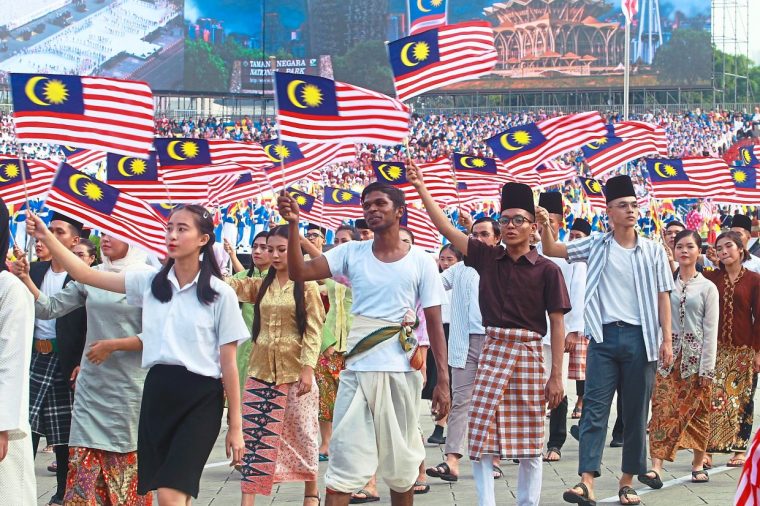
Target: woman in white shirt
(682, 392)
(191, 324)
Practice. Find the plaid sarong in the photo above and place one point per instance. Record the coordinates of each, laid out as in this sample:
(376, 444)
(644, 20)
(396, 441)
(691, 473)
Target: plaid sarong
(506, 416)
(50, 399)
(576, 369)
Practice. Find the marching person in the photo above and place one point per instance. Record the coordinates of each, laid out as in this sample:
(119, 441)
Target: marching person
(576, 368)
(183, 396)
(18, 484)
(682, 392)
(375, 422)
(624, 325)
(281, 399)
(575, 281)
(56, 355)
(103, 443)
(518, 287)
(466, 336)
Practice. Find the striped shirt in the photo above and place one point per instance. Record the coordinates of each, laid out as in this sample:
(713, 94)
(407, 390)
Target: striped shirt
(464, 283)
(651, 276)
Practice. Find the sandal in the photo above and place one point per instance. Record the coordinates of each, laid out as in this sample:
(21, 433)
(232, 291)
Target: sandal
(361, 500)
(425, 489)
(576, 413)
(655, 483)
(442, 471)
(695, 474)
(584, 498)
(624, 492)
(735, 462)
(324, 457)
(553, 450)
(707, 463)
(497, 472)
(318, 498)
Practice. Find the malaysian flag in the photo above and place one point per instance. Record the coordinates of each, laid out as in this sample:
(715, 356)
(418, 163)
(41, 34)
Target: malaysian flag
(289, 162)
(746, 190)
(310, 208)
(394, 173)
(554, 172)
(419, 223)
(39, 175)
(623, 143)
(630, 8)
(748, 490)
(105, 208)
(479, 173)
(82, 158)
(426, 14)
(750, 155)
(97, 113)
(339, 205)
(442, 56)
(188, 160)
(522, 148)
(592, 190)
(164, 209)
(690, 178)
(227, 189)
(139, 178)
(315, 109)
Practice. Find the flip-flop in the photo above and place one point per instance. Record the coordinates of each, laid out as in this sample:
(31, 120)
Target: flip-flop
(576, 413)
(583, 498)
(694, 475)
(324, 457)
(553, 450)
(425, 490)
(736, 462)
(442, 471)
(655, 483)
(362, 500)
(625, 492)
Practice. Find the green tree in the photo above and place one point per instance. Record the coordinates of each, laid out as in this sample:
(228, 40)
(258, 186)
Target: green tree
(729, 87)
(366, 65)
(686, 58)
(204, 69)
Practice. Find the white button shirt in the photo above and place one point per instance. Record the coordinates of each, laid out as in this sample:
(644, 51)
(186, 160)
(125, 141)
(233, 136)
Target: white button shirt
(184, 331)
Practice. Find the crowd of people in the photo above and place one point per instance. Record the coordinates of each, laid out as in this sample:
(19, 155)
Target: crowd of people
(322, 348)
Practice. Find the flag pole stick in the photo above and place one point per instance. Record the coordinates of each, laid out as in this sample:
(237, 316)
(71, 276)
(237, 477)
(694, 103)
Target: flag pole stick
(627, 71)
(273, 66)
(22, 167)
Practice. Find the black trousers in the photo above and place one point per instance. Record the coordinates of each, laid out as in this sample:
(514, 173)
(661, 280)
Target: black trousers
(61, 460)
(558, 425)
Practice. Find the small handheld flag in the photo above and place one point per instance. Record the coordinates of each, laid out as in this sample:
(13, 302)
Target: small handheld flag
(426, 14)
(39, 175)
(690, 177)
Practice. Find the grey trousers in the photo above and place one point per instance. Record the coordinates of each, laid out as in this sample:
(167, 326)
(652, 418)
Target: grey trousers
(620, 360)
(462, 381)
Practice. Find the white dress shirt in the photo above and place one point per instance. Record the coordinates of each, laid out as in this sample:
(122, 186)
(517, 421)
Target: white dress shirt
(575, 281)
(464, 283)
(184, 331)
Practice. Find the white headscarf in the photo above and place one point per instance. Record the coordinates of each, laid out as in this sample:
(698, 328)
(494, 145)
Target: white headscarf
(134, 259)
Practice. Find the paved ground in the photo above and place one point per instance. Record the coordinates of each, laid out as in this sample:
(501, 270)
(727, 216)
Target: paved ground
(220, 486)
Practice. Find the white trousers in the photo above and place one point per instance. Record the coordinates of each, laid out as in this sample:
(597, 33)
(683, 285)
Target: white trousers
(529, 476)
(18, 486)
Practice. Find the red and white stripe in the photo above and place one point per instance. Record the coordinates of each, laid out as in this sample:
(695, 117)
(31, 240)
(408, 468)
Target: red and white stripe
(639, 139)
(595, 200)
(630, 8)
(85, 158)
(132, 220)
(222, 190)
(315, 156)
(708, 177)
(562, 134)
(41, 177)
(157, 192)
(555, 172)
(227, 158)
(466, 51)
(427, 23)
(247, 154)
(363, 116)
(425, 234)
(118, 118)
(748, 491)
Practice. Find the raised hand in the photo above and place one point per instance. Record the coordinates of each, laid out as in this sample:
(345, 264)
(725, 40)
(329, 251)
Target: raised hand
(288, 208)
(542, 216)
(35, 227)
(414, 176)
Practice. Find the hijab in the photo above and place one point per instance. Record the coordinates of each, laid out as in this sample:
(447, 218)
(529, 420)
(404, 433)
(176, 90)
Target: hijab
(133, 260)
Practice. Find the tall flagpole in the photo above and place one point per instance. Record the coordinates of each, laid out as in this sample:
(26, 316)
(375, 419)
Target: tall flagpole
(627, 72)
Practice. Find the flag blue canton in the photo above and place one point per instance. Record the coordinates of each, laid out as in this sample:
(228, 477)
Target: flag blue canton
(414, 53)
(48, 93)
(516, 141)
(85, 190)
(127, 168)
(663, 169)
(303, 94)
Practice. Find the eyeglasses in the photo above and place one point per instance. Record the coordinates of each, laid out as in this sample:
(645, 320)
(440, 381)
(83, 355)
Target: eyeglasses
(517, 221)
(626, 205)
(313, 235)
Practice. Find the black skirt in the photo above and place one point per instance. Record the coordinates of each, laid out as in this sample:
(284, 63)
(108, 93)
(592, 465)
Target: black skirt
(180, 418)
(432, 371)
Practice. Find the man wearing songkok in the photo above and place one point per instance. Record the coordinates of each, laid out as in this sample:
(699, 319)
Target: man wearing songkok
(627, 305)
(17, 482)
(57, 351)
(518, 287)
(376, 415)
(575, 281)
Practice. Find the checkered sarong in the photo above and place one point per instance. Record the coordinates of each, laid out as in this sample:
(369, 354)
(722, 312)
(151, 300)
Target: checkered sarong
(576, 369)
(508, 406)
(50, 399)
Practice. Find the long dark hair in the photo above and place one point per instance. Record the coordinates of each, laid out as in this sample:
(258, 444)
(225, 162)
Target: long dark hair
(253, 268)
(298, 293)
(161, 287)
